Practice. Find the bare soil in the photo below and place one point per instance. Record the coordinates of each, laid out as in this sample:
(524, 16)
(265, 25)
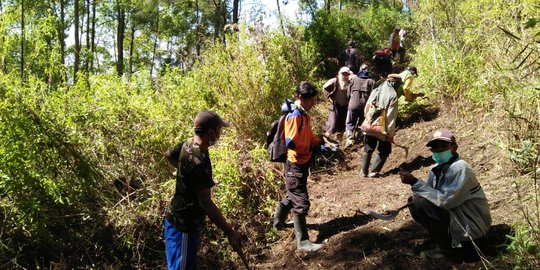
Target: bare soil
(341, 199)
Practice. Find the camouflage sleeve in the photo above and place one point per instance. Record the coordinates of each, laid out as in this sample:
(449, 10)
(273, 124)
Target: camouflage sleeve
(197, 173)
(175, 152)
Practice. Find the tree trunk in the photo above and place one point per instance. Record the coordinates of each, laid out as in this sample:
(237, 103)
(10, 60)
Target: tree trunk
(155, 43)
(88, 47)
(61, 33)
(77, 42)
(22, 40)
(236, 8)
(328, 4)
(197, 43)
(93, 38)
(280, 17)
(131, 45)
(120, 38)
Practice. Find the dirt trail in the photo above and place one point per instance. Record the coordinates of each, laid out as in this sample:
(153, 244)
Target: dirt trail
(353, 240)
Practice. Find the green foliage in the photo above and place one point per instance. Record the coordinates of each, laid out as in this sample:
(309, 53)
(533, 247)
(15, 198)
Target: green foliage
(370, 26)
(83, 166)
(523, 247)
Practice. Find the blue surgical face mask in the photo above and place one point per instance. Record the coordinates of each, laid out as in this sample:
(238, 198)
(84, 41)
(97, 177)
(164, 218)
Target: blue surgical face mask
(213, 139)
(442, 157)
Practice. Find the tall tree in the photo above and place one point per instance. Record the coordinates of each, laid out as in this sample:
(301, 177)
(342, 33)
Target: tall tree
(120, 30)
(22, 39)
(156, 35)
(77, 41)
(88, 31)
(61, 33)
(93, 39)
(236, 8)
(280, 17)
(131, 46)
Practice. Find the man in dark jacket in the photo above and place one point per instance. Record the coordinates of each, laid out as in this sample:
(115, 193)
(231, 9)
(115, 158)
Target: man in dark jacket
(360, 87)
(351, 57)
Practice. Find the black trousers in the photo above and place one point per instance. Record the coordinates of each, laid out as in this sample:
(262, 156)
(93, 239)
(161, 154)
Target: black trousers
(435, 219)
(371, 143)
(296, 183)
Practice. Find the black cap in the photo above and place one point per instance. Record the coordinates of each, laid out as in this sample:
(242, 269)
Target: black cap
(413, 70)
(208, 120)
(441, 135)
(306, 90)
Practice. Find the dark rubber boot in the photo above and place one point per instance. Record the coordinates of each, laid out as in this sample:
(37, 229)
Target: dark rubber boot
(280, 216)
(302, 237)
(378, 163)
(366, 159)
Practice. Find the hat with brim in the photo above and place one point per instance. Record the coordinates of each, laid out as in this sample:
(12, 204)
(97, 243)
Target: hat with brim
(413, 70)
(441, 135)
(208, 120)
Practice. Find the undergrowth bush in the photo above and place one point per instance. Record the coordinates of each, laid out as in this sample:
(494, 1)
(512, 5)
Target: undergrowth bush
(83, 180)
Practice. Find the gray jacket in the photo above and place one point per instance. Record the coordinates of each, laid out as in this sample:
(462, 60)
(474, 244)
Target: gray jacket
(358, 92)
(459, 192)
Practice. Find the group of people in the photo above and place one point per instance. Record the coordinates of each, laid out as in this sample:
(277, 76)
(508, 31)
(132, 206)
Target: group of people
(450, 204)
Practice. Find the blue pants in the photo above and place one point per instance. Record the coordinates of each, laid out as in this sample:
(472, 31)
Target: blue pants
(180, 248)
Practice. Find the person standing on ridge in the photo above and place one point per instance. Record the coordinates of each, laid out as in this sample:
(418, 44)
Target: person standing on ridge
(192, 200)
(301, 144)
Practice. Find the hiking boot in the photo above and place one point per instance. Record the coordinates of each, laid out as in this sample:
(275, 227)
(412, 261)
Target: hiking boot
(378, 163)
(439, 252)
(366, 159)
(301, 233)
(282, 211)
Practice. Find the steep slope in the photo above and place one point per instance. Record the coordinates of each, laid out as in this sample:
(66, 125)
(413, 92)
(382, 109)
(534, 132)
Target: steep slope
(354, 240)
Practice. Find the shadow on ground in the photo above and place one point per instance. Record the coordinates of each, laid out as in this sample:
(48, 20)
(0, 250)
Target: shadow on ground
(400, 249)
(340, 224)
(415, 164)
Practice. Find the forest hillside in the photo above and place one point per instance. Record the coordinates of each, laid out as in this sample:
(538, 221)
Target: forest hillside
(92, 94)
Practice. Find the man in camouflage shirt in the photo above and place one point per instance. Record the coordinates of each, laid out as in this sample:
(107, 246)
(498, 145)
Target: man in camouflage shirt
(192, 198)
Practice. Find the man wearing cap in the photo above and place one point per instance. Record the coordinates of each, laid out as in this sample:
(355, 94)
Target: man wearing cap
(451, 204)
(384, 101)
(407, 76)
(335, 90)
(301, 144)
(360, 87)
(192, 198)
